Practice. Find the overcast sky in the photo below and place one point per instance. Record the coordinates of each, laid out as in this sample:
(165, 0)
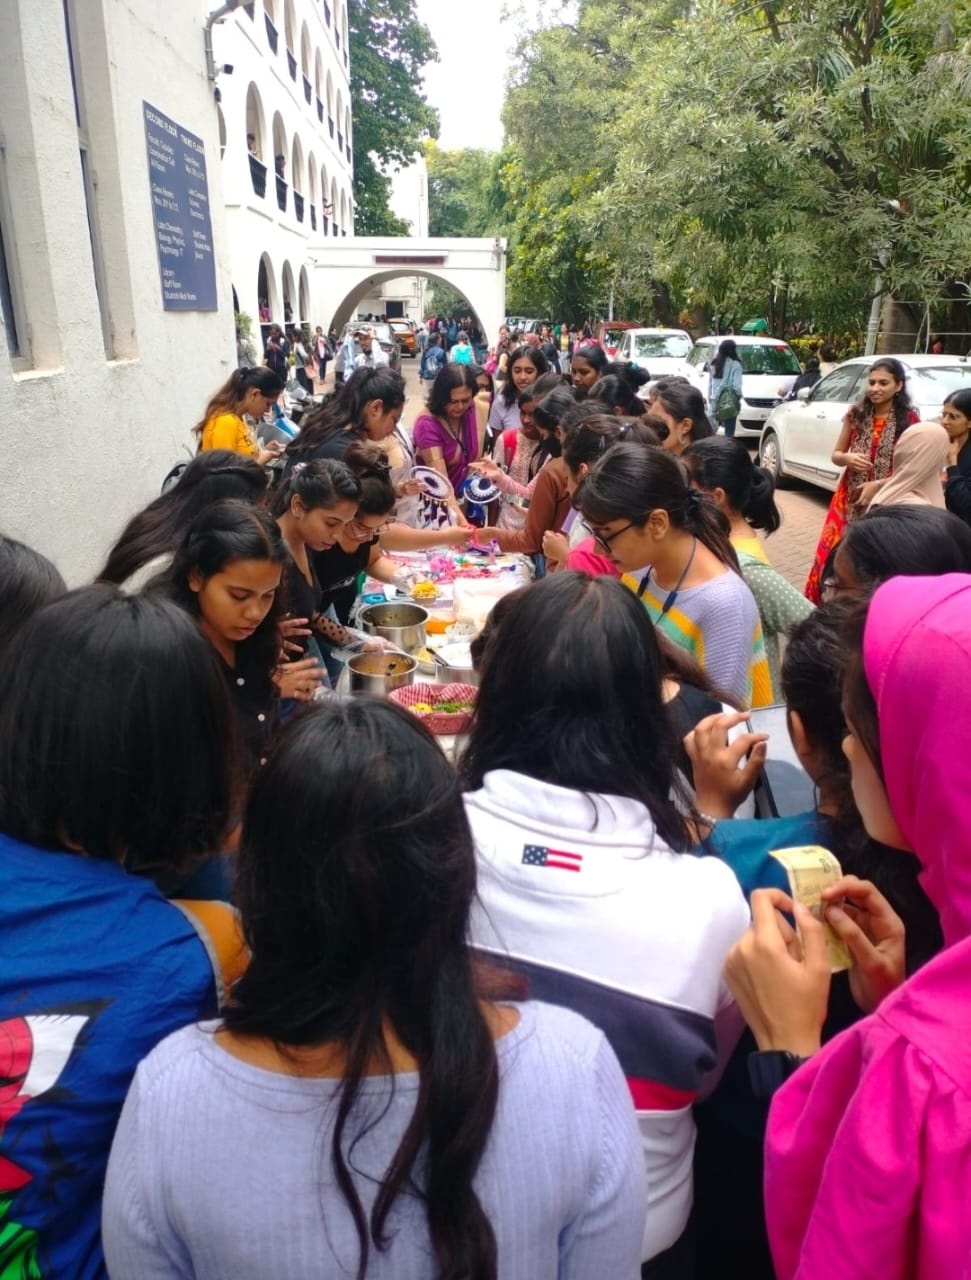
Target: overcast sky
(468, 82)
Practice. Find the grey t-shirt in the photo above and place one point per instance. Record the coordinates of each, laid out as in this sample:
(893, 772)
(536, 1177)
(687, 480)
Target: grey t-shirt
(221, 1170)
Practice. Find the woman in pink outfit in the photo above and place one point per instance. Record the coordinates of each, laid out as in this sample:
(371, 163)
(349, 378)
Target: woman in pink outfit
(868, 1155)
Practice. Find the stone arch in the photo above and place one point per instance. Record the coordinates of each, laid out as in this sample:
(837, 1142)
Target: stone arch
(303, 310)
(483, 291)
(330, 95)
(343, 218)
(290, 26)
(280, 147)
(266, 288)
(296, 165)
(255, 120)
(289, 295)
(347, 125)
(319, 76)
(334, 206)
(305, 51)
(272, 12)
(312, 175)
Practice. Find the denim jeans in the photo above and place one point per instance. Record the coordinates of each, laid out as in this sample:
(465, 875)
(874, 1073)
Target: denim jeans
(728, 426)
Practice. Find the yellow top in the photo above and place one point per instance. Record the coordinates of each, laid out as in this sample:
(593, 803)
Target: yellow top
(753, 546)
(229, 431)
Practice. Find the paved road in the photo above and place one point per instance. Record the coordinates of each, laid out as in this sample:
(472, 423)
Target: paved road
(803, 507)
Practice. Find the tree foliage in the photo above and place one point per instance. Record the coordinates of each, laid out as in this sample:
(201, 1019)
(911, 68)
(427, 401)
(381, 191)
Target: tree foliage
(388, 48)
(465, 196)
(739, 158)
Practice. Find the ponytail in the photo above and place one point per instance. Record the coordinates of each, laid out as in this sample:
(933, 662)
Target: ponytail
(231, 392)
(318, 484)
(709, 526)
(345, 410)
(724, 463)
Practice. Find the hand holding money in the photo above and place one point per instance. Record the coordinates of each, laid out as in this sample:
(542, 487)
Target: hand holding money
(780, 979)
(811, 870)
(874, 933)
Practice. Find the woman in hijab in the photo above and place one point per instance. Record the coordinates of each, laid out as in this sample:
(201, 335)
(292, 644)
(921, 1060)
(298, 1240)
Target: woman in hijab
(919, 460)
(868, 1160)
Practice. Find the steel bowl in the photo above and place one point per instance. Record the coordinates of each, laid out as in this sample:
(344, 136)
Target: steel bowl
(401, 623)
(379, 673)
(453, 665)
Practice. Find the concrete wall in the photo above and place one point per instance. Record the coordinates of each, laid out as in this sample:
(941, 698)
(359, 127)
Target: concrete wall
(88, 432)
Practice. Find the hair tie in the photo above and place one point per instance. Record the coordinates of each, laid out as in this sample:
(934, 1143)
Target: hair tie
(693, 501)
(298, 467)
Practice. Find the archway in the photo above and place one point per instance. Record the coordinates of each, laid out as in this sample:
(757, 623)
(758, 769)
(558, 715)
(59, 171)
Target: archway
(330, 102)
(303, 314)
(289, 29)
(334, 207)
(305, 54)
(255, 123)
(296, 164)
(267, 294)
(222, 130)
(289, 293)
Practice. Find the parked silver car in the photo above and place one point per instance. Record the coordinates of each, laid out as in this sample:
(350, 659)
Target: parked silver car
(800, 435)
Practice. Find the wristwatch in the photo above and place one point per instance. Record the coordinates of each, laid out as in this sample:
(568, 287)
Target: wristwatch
(769, 1069)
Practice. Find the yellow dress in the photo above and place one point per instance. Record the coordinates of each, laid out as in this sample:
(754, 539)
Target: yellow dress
(229, 431)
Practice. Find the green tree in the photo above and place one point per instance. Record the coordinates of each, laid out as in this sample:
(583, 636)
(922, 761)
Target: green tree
(465, 195)
(388, 48)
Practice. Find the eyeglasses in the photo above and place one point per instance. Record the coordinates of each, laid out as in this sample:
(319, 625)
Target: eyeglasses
(605, 540)
(360, 531)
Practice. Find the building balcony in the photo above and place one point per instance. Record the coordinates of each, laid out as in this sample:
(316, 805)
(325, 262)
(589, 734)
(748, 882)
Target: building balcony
(333, 228)
(345, 57)
(313, 217)
(257, 173)
(292, 65)
(340, 141)
(327, 13)
(281, 193)
(250, 11)
(343, 233)
(320, 111)
(330, 125)
(308, 91)
(349, 152)
(337, 38)
(298, 205)
(271, 34)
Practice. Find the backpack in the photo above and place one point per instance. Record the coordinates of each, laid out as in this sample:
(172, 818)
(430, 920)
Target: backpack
(727, 403)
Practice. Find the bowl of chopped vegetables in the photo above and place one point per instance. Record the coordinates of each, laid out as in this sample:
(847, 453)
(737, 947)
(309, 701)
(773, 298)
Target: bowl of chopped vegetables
(442, 708)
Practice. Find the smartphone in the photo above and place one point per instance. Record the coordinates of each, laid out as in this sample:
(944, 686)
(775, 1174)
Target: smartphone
(785, 788)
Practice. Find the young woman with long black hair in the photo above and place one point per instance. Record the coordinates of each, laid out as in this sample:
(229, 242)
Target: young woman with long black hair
(525, 364)
(645, 514)
(864, 450)
(956, 418)
(680, 407)
(619, 389)
(726, 371)
(722, 468)
(28, 581)
(405, 1124)
(226, 575)
(156, 531)
(587, 364)
(222, 426)
(367, 408)
(573, 798)
(117, 755)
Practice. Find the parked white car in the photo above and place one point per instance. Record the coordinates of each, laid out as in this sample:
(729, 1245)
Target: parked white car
(800, 435)
(769, 368)
(660, 351)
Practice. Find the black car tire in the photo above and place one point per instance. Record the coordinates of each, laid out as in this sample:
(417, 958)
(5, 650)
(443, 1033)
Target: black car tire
(770, 457)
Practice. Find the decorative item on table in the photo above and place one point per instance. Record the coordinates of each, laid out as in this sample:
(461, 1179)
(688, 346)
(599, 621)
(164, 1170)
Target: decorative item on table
(424, 590)
(433, 501)
(442, 708)
(478, 492)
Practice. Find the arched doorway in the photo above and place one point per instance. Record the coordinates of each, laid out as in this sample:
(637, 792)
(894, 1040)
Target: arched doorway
(303, 314)
(289, 294)
(267, 294)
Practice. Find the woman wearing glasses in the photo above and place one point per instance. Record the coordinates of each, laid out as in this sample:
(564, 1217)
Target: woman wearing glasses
(644, 514)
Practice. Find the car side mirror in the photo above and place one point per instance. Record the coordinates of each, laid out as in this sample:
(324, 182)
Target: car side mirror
(803, 393)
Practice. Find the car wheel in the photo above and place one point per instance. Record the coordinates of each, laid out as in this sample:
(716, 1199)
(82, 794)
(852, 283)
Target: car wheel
(770, 457)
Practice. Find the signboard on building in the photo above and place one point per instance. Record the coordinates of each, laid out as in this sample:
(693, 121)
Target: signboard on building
(180, 207)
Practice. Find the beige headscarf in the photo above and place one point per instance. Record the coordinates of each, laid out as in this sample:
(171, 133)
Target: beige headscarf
(919, 457)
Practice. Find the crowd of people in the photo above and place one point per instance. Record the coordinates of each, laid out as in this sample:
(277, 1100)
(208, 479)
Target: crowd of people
(288, 992)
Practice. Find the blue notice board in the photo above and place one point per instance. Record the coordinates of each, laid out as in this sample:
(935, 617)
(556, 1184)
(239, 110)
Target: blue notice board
(180, 206)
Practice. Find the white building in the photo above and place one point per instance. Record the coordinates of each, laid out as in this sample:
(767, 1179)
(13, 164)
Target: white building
(288, 98)
(107, 131)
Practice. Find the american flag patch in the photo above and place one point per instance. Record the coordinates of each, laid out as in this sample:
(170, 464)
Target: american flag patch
(535, 855)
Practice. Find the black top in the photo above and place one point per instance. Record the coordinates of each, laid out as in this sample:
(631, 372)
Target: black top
(337, 571)
(255, 701)
(334, 448)
(957, 488)
(301, 599)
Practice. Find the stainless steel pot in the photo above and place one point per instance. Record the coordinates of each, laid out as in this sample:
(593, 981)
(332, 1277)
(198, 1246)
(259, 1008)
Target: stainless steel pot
(379, 673)
(402, 624)
(453, 665)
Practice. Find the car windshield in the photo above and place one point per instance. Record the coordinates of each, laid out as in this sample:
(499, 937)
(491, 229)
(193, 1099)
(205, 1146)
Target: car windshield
(769, 357)
(672, 345)
(613, 336)
(933, 386)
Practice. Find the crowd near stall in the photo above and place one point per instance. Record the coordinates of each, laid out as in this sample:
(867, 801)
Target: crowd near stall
(448, 848)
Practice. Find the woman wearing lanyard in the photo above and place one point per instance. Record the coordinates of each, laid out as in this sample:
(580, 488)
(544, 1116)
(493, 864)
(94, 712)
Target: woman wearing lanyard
(644, 513)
